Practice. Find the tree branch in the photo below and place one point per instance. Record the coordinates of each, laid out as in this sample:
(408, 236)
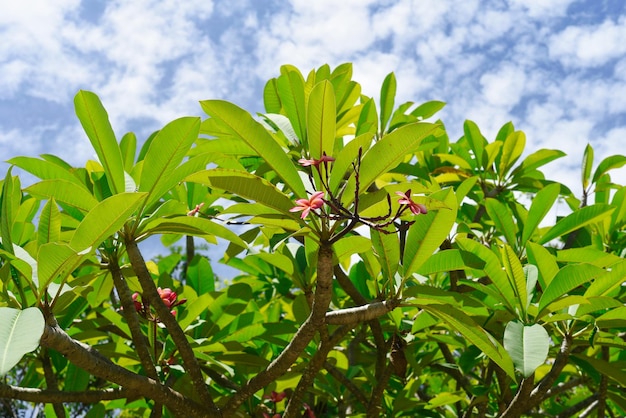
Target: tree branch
(361, 313)
(89, 359)
(306, 332)
(519, 405)
(57, 396)
(190, 361)
(51, 382)
(538, 393)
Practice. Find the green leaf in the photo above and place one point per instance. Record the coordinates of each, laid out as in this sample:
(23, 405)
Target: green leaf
(517, 278)
(512, 149)
(429, 231)
(387, 153)
(577, 219)
(545, 262)
(200, 275)
(49, 223)
(65, 192)
(167, 150)
(54, 260)
(321, 120)
(539, 208)
(609, 163)
(568, 278)
(475, 139)
(527, 345)
(251, 132)
(428, 109)
(606, 368)
(449, 260)
(493, 269)
(271, 99)
(502, 217)
(44, 169)
(387, 98)
(290, 87)
(105, 219)
(346, 157)
(536, 160)
(609, 281)
(95, 121)
(20, 332)
(587, 164)
(351, 245)
(247, 186)
(128, 148)
(190, 225)
(11, 198)
(387, 247)
(474, 334)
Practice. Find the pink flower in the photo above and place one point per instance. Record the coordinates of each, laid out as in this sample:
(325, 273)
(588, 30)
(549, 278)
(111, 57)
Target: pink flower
(416, 208)
(324, 159)
(276, 396)
(168, 296)
(196, 210)
(137, 303)
(306, 205)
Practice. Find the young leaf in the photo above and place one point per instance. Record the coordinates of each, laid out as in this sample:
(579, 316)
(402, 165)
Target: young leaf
(387, 98)
(511, 150)
(128, 147)
(517, 278)
(609, 163)
(106, 218)
(271, 99)
(502, 217)
(539, 208)
(545, 262)
(49, 223)
(387, 247)
(167, 150)
(476, 140)
(527, 345)
(586, 168)
(95, 121)
(20, 331)
(290, 87)
(428, 109)
(321, 120)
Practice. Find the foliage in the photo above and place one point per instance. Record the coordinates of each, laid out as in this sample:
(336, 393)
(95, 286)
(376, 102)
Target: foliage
(384, 270)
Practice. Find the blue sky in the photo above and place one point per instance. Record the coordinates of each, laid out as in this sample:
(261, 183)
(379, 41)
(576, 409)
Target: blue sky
(556, 69)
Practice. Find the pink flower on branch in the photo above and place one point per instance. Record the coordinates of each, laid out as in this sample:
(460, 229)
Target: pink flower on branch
(416, 208)
(316, 201)
(324, 159)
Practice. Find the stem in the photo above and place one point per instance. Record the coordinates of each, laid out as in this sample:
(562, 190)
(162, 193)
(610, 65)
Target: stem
(178, 336)
(306, 332)
(92, 361)
(361, 313)
(51, 382)
(57, 396)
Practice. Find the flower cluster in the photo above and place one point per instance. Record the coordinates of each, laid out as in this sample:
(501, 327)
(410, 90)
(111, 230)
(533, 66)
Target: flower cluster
(416, 208)
(167, 295)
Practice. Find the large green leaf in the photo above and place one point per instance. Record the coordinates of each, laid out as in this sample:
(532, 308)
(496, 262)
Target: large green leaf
(106, 218)
(20, 332)
(536, 160)
(242, 126)
(474, 334)
(95, 121)
(167, 150)
(190, 225)
(541, 204)
(64, 191)
(517, 278)
(49, 223)
(346, 157)
(245, 185)
(11, 198)
(512, 149)
(290, 87)
(476, 140)
(502, 217)
(609, 163)
(545, 262)
(387, 153)
(527, 345)
(577, 219)
(321, 120)
(608, 282)
(568, 278)
(387, 247)
(429, 231)
(44, 169)
(387, 98)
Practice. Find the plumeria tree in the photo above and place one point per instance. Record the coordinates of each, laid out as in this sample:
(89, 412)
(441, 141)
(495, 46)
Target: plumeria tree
(385, 270)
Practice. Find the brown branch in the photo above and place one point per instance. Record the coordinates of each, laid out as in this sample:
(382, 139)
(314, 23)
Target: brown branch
(361, 313)
(374, 407)
(604, 386)
(377, 331)
(312, 369)
(132, 319)
(190, 362)
(306, 332)
(519, 405)
(57, 396)
(574, 409)
(539, 392)
(51, 382)
(92, 361)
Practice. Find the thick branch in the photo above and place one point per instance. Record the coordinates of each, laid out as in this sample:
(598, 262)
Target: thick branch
(89, 359)
(57, 396)
(538, 394)
(132, 319)
(574, 409)
(312, 369)
(519, 405)
(178, 336)
(306, 332)
(361, 313)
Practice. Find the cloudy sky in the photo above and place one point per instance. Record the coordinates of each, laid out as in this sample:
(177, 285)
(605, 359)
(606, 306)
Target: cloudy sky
(556, 68)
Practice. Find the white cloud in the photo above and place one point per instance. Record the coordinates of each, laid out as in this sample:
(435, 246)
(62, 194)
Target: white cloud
(591, 45)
